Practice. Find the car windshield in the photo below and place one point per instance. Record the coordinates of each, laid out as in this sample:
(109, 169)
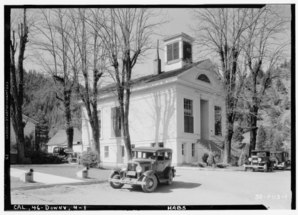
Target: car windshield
(259, 154)
(164, 155)
(145, 155)
(278, 156)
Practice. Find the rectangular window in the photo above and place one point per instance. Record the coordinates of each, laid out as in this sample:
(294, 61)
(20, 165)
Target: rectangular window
(106, 151)
(193, 149)
(172, 51)
(217, 120)
(188, 116)
(182, 149)
(123, 151)
(116, 122)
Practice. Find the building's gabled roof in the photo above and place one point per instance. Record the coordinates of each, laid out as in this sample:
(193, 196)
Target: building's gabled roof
(60, 137)
(152, 78)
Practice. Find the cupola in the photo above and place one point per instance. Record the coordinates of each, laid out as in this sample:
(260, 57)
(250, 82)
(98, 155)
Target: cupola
(178, 51)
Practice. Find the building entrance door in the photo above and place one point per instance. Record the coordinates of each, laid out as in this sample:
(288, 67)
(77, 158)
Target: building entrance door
(204, 119)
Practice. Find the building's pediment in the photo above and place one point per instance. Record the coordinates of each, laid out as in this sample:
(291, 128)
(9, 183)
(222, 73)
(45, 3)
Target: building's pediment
(204, 75)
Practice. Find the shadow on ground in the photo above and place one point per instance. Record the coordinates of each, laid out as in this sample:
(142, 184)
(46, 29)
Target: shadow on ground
(163, 188)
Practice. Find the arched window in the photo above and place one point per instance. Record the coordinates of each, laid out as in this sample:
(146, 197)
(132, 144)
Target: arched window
(204, 78)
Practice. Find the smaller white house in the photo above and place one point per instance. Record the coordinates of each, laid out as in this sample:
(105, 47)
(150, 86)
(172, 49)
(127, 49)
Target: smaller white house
(181, 108)
(60, 140)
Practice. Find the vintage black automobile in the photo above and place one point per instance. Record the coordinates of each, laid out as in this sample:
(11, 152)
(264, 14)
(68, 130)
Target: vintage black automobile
(259, 160)
(149, 167)
(281, 159)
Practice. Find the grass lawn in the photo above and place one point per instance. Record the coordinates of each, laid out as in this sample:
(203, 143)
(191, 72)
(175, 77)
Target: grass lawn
(66, 170)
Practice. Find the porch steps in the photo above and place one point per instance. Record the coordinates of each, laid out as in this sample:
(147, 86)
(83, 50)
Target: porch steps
(217, 146)
(210, 145)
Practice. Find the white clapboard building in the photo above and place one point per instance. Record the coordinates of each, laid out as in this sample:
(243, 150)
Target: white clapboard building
(181, 108)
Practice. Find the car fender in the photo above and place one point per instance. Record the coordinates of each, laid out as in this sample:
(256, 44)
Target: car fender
(149, 173)
(117, 171)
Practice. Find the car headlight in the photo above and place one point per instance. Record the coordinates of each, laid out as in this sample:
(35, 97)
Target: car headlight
(259, 159)
(249, 159)
(139, 169)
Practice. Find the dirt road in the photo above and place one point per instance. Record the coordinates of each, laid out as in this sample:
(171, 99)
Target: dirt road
(190, 187)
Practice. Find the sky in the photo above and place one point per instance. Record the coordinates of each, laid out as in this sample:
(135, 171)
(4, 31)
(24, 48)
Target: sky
(180, 20)
(177, 20)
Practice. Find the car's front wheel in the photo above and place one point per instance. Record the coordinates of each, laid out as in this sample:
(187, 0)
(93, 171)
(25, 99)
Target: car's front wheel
(116, 185)
(150, 183)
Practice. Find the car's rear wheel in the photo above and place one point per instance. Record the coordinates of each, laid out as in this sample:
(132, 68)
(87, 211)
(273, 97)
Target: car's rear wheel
(170, 178)
(150, 183)
(116, 185)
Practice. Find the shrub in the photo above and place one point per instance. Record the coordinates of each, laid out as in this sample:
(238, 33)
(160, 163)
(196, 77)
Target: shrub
(89, 159)
(205, 157)
(221, 165)
(38, 157)
(234, 161)
(210, 160)
(200, 164)
(217, 157)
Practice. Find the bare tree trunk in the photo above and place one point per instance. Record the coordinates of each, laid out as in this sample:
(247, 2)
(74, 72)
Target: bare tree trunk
(229, 64)
(126, 125)
(253, 113)
(17, 82)
(67, 112)
(253, 131)
(89, 95)
(19, 133)
(96, 135)
(228, 138)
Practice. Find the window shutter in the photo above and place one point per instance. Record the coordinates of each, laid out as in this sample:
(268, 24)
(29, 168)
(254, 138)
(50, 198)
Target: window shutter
(169, 52)
(190, 124)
